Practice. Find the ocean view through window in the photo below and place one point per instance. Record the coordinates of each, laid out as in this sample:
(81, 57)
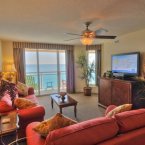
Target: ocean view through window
(45, 70)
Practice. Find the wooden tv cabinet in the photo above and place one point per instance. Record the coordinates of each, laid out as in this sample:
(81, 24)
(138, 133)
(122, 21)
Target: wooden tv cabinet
(118, 92)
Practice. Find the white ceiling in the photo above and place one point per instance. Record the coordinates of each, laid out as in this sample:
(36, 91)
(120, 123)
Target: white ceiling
(48, 20)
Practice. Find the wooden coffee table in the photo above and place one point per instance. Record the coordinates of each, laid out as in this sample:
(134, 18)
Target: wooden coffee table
(8, 128)
(67, 102)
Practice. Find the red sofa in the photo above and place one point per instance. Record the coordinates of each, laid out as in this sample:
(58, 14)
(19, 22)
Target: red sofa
(127, 128)
(26, 116)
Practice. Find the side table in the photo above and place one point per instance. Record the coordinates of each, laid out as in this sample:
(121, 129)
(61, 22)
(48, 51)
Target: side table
(8, 127)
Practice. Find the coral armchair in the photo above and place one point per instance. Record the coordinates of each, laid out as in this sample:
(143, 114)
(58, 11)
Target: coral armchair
(25, 116)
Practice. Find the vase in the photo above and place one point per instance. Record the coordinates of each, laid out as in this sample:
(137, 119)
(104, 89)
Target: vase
(62, 95)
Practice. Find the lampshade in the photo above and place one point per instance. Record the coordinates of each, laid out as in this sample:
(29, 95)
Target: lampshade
(87, 37)
(87, 41)
(9, 67)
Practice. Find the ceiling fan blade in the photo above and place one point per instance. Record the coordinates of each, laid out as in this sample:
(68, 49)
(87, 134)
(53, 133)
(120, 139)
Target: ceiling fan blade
(105, 37)
(72, 39)
(101, 31)
(73, 34)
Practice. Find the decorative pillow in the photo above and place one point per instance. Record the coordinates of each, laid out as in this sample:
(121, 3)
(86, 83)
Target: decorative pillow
(56, 122)
(7, 87)
(22, 89)
(7, 99)
(119, 109)
(4, 107)
(22, 103)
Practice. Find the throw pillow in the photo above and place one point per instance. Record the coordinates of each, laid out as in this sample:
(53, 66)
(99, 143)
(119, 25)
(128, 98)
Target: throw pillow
(7, 87)
(7, 99)
(22, 103)
(119, 109)
(22, 89)
(56, 122)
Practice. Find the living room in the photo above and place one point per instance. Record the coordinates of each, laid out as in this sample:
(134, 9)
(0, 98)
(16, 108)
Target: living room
(42, 27)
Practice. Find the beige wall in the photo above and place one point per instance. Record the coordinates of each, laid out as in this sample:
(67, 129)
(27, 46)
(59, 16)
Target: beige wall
(79, 84)
(128, 43)
(7, 52)
(0, 57)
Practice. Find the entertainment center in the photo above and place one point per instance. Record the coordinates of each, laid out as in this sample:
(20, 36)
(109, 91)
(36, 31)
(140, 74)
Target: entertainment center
(122, 87)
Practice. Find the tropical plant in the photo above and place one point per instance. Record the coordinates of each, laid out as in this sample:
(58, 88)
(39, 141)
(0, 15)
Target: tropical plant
(87, 69)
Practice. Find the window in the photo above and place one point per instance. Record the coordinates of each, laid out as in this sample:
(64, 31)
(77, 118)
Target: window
(45, 70)
(92, 58)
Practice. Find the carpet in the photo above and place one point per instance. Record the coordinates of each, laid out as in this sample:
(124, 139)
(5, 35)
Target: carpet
(87, 107)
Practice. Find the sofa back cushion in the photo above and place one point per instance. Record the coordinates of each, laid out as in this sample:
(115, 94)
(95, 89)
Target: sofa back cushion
(130, 120)
(85, 133)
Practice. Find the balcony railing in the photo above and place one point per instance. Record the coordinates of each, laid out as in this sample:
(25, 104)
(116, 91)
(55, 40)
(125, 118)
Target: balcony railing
(48, 80)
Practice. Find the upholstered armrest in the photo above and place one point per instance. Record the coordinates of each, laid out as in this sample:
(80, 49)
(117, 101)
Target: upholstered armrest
(4, 107)
(37, 112)
(33, 135)
(29, 115)
(109, 108)
(30, 91)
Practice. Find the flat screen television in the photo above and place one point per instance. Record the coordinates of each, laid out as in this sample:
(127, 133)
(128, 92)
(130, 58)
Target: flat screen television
(126, 63)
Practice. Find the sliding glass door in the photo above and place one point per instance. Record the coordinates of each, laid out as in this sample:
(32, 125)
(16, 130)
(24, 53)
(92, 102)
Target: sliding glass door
(50, 70)
(32, 69)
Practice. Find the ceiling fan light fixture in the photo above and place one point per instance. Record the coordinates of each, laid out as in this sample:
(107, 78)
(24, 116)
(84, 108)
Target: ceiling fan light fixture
(87, 37)
(87, 40)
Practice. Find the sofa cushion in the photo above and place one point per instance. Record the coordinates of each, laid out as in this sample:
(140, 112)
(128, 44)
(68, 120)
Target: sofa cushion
(130, 120)
(119, 109)
(89, 132)
(55, 122)
(134, 137)
(22, 103)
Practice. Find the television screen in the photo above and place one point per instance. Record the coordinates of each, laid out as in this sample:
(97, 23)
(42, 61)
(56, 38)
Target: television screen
(127, 63)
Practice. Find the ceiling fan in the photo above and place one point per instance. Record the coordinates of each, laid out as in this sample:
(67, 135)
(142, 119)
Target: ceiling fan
(87, 36)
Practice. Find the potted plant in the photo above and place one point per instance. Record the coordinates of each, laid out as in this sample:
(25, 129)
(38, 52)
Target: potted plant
(87, 70)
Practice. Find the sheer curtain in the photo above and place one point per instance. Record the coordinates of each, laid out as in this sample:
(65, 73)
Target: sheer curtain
(19, 61)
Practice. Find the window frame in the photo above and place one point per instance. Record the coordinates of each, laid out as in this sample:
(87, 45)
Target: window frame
(95, 79)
